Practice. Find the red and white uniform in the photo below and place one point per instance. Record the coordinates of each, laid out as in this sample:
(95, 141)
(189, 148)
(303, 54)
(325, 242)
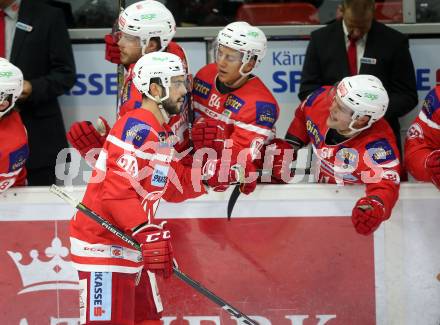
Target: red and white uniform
(423, 136)
(371, 153)
(248, 113)
(14, 151)
(131, 99)
(134, 170)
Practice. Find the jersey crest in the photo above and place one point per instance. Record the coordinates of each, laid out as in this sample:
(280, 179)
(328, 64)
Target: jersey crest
(347, 159)
(201, 88)
(234, 103)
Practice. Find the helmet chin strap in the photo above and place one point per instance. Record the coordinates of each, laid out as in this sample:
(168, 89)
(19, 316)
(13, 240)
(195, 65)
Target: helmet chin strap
(353, 131)
(162, 110)
(244, 75)
(7, 110)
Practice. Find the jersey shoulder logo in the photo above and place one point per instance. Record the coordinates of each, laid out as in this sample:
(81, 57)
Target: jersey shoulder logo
(201, 88)
(135, 131)
(431, 104)
(266, 114)
(381, 151)
(18, 158)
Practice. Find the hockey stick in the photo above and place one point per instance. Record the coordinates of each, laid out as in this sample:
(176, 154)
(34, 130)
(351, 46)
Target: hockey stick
(236, 192)
(241, 318)
(120, 68)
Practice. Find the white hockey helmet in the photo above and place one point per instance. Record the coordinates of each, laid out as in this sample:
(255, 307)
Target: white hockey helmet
(11, 84)
(160, 65)
(148, 19)
(364, 95)
(247, 39)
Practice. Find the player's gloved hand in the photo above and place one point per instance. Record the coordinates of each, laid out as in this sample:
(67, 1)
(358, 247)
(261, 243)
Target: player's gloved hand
(208, 133)
(112, 52)
(367, 215)
(157, 252)
(432, 164)
(220, 175)
(83, 136)
(282, 154)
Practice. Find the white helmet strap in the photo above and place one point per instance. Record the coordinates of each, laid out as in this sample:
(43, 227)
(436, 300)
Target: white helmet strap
(354, 130)
(159, 101)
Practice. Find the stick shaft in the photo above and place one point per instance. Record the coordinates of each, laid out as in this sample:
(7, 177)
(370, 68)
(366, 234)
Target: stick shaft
(131, 241)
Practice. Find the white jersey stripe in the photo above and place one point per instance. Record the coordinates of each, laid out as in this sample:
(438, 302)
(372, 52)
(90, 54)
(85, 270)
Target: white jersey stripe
(85, 249)
(11, 174)
(213, 114)
(430, 123)
(101, 162)
(143, 155)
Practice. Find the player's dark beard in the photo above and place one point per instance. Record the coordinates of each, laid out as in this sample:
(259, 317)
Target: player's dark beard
(170, 107)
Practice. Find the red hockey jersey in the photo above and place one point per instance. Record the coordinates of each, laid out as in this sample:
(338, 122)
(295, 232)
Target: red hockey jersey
(248, 113)
(133, 171)
(131, 99)
(370, 158)
(14, 151)
(423, 136)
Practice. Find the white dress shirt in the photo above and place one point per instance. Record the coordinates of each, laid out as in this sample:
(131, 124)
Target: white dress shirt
(360, 45)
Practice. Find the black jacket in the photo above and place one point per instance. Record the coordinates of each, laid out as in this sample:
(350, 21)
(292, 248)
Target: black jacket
(45, 57)
(326, 63)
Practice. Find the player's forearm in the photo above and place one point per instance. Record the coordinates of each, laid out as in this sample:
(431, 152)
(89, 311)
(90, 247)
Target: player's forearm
(415, 163)
(387, 191)
(184, 183)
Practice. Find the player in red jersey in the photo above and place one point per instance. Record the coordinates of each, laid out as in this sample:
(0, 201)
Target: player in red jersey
(353, 143)
(134, 170)
(422, 144)
(144, 27)
(14, 148)
(235, 112)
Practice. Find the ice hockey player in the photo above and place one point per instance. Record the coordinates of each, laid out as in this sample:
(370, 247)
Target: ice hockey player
(422, 144)
(14, 148)
(136, 37)
(235, 112)
(134, 170)
(353, 143)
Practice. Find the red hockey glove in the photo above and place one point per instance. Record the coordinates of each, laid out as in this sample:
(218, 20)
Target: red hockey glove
(157, 251)
(112, 52)
(282, 154)
(83, 136)
(219, 175)
(208, 133)
(367, 215)
(432, 164)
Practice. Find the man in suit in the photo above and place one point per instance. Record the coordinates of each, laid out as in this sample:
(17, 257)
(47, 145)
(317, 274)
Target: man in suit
(358, 44)
(34, 37)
